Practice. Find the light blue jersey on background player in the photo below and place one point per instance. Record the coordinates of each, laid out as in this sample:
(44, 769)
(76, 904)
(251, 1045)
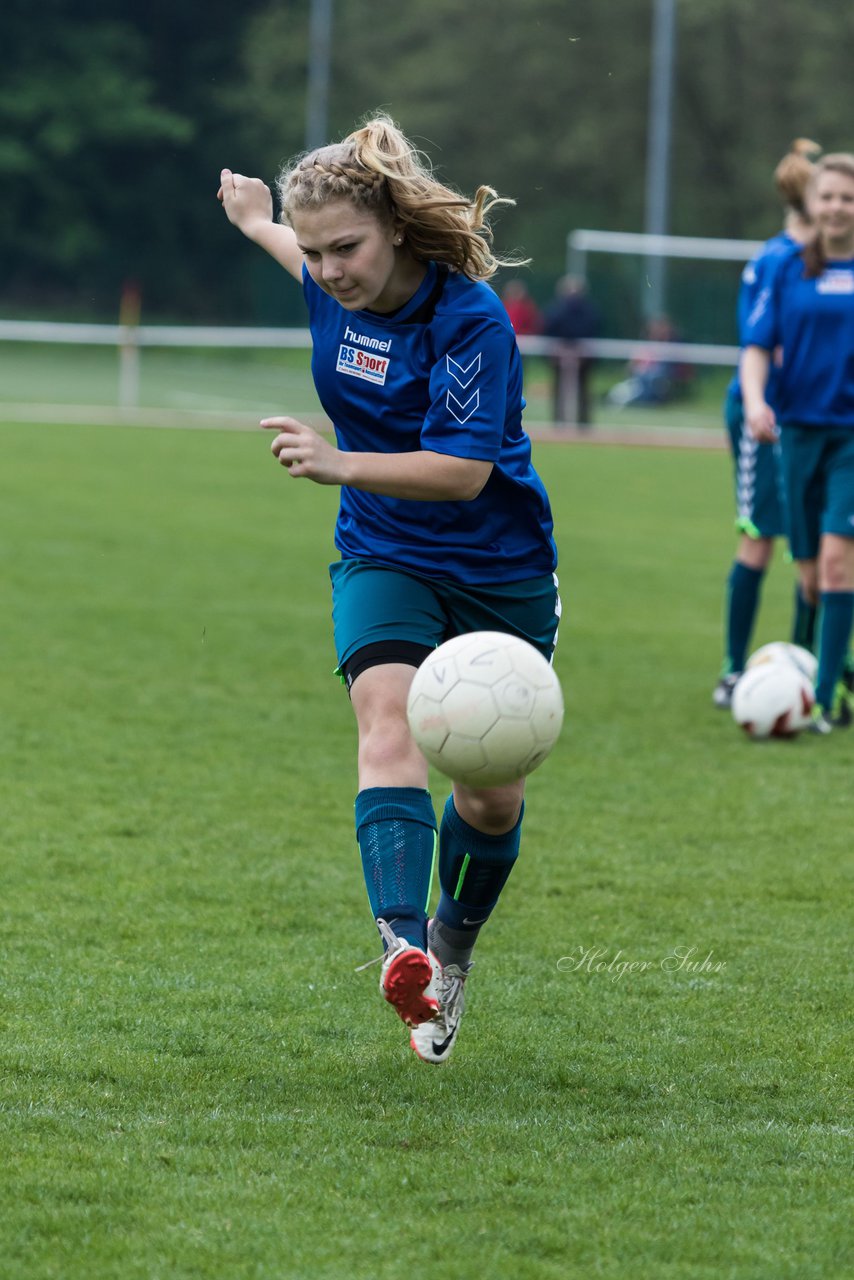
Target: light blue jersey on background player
(759, 508)
(760, 516)
(811, 319)
(807, 311)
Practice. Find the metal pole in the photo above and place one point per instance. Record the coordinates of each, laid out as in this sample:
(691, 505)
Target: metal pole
(576, 260)
(319, 56)
(658, 149)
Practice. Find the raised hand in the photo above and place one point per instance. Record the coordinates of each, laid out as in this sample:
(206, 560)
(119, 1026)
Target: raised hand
(248, 202)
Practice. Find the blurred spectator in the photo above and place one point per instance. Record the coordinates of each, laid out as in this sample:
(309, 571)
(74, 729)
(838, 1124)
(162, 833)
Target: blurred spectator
(572, 316)
(653, 379)
(521, 308)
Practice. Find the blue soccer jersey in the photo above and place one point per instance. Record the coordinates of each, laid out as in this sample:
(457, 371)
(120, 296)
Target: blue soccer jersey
(443, 373)
(813, 321)
(754, 278)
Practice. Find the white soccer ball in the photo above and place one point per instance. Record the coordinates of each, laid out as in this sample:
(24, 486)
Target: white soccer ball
(773, 699)
(805, 661)
(485, 708)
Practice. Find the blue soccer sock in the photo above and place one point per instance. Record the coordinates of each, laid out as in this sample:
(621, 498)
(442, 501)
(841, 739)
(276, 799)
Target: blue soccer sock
(473, 869)
(744, 587)
(396, 830)
(837, 617)
(803, 621)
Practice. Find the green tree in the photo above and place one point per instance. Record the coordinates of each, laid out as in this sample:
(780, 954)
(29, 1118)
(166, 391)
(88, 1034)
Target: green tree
(115, 119)
(530, 98)
(78, 117)
(111, 120)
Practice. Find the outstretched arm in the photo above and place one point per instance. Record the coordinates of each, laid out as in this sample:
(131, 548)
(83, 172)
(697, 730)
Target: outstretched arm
(248, 206)
(423, 476)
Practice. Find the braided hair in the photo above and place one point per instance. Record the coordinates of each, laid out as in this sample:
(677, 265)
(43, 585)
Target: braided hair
(378, 170)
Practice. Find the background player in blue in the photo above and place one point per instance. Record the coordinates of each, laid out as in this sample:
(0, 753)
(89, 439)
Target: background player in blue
(444, 526)
(808, 310)
(759, 509)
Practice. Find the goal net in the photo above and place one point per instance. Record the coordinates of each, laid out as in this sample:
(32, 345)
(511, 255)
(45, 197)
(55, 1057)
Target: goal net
(699, 280)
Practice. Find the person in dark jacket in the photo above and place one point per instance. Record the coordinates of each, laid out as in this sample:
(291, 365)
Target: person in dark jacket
(572, 316)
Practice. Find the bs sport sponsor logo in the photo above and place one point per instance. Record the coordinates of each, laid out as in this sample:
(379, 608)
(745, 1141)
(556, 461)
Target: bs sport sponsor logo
(371, 364)
(836, 280)
(362, 364)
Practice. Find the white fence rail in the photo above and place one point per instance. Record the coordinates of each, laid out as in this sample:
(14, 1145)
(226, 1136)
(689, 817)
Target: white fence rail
(641, 244)
(129, 342)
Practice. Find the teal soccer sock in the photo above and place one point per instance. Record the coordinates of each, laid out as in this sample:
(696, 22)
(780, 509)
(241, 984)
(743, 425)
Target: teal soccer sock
(473, 869)
(744, 587)
(837, 616)
(396, 831)
(803, 622)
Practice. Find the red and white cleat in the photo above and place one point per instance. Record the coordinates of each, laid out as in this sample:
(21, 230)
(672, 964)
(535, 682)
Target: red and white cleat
(406, 980)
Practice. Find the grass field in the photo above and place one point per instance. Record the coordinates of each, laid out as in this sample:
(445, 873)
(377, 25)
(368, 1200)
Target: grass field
(196, 1083)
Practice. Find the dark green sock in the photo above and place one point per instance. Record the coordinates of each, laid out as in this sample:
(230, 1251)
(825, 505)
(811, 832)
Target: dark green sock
(396, 830)
(837, 615)
(473, 869)
(803, 622)
(744, 586)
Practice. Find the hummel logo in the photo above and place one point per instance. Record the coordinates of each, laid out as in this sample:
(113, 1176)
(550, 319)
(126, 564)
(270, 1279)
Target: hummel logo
(471, 404)
(457, 371)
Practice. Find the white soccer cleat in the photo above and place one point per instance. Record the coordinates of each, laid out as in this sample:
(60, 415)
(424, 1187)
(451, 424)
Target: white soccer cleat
(433, 1041)
(406, 980)
(722, 693)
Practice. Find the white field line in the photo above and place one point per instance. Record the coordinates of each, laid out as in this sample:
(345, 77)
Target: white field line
(111, 416)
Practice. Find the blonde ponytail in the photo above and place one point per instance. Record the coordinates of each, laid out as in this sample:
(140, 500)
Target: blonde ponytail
(377, 168)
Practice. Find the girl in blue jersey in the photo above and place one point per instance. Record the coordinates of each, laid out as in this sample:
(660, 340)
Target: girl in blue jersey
(807, 309)
(759, 511)
(443, 527)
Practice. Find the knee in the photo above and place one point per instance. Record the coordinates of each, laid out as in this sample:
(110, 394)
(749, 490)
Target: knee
(492, 810)
(835, 569)
(831, 577)
(387, 743)
(755, 553)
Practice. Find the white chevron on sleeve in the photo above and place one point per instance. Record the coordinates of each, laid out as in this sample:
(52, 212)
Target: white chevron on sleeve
(458, 373)
(471, 404)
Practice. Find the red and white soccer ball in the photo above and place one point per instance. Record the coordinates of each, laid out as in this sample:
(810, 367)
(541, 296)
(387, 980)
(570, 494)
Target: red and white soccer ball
(773, 699)
(777, 650)
(485, 708)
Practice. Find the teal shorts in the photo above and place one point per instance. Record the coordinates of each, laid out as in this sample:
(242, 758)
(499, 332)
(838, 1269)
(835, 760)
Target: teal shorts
(373, 604)
(758, 500)
(817, 465)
